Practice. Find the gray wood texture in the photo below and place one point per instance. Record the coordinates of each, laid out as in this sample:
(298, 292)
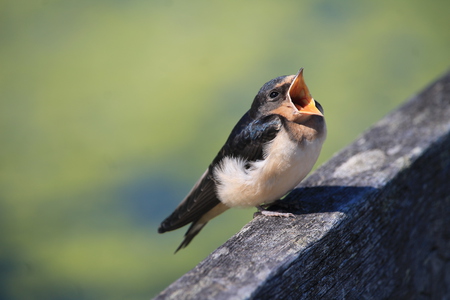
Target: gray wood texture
(371, 223)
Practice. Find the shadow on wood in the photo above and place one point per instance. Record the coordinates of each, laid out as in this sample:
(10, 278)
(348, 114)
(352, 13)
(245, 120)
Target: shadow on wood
(371, 223)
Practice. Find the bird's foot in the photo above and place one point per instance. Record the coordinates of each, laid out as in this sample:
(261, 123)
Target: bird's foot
(263, 211)
(277, 214)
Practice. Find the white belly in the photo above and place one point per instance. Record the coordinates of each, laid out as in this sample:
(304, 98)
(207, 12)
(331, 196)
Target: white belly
(286, 163)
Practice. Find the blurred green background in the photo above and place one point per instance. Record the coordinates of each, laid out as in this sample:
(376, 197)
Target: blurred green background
(111, 110)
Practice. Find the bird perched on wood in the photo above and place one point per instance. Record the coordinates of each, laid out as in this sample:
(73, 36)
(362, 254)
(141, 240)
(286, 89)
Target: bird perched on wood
(270, 150)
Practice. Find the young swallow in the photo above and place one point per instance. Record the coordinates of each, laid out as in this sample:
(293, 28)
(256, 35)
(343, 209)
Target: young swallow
(270, 150)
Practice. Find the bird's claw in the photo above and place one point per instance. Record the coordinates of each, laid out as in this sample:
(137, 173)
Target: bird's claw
(270, 213)
(263, 211)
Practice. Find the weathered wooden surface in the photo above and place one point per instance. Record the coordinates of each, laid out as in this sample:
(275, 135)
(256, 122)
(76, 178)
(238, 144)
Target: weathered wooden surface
(372, 223)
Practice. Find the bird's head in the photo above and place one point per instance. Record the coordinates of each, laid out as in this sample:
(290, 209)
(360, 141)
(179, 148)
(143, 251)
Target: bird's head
(287, 96)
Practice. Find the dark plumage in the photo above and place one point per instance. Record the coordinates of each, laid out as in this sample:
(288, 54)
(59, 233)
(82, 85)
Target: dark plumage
(261, 159)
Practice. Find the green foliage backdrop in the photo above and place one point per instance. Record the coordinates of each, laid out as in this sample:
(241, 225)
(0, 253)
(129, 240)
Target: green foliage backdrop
(110, 111)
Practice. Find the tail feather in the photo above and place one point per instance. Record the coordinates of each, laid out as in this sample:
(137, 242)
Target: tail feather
(193, 230)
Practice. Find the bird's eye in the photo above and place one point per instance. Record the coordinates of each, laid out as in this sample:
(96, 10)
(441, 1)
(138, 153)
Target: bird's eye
(273, 94)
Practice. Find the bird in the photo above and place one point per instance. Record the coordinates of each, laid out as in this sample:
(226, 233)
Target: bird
(269, 151)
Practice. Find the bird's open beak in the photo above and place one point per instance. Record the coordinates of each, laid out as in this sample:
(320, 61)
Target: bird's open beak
(301, 98)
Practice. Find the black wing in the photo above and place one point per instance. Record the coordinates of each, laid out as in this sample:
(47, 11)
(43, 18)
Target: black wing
(201, 199)
(246, 141)
(249, 136)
